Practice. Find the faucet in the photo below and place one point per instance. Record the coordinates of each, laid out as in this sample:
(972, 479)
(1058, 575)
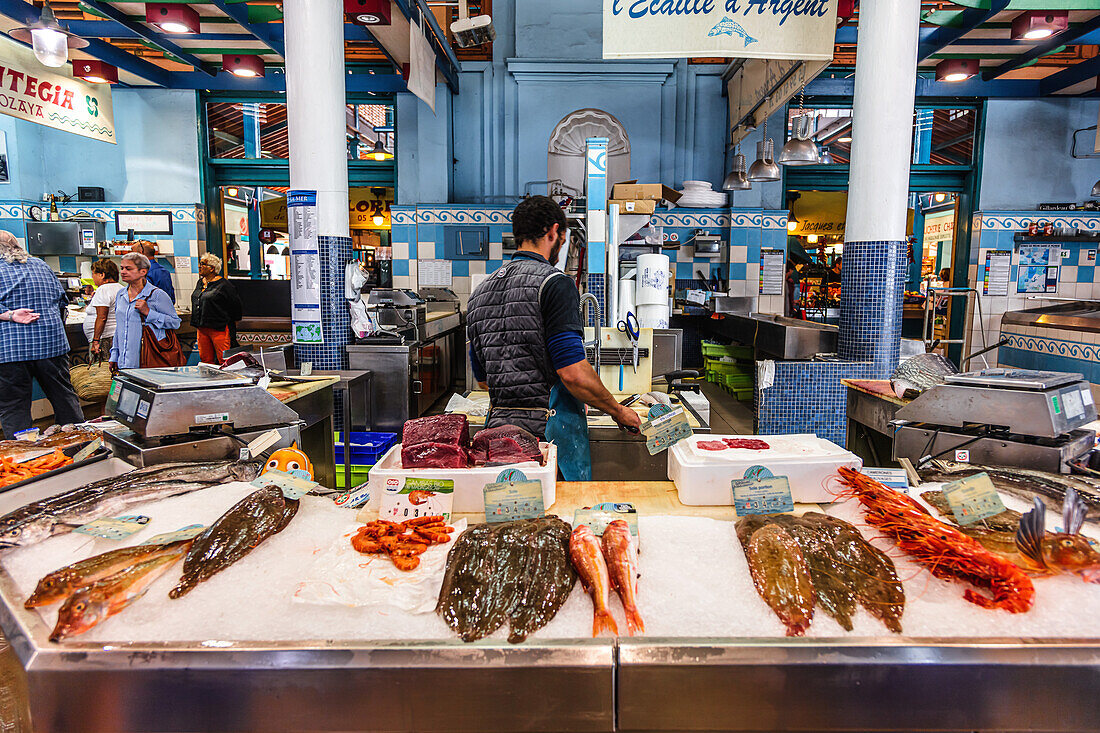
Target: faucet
(586, 299)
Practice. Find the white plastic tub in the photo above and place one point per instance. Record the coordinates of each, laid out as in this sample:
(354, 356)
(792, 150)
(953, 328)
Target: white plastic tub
(469, 482)
(703, 477)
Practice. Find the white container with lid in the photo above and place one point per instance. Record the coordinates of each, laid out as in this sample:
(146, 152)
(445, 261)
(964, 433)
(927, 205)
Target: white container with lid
(703, 477)
(469, 482)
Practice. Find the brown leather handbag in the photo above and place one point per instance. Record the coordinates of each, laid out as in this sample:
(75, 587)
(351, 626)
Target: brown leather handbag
(165, 352)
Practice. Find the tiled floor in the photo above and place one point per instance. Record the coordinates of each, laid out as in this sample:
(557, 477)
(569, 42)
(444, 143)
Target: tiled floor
(727, 415)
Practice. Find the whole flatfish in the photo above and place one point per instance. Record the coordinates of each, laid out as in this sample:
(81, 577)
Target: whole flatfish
(920, 372)
(781, 576)
(62, 583)
(234, 534)
(830, 576)
(463, 580)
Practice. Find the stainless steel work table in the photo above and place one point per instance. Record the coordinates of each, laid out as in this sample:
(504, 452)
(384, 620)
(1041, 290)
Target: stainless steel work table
(630, 684)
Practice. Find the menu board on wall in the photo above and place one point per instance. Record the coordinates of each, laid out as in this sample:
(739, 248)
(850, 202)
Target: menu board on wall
(998, 271)
(305, 268)
(434, 273)
(1038, 268)
(772, 271)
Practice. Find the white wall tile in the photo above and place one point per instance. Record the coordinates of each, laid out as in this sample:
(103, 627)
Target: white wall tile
(1067, 274)
(425, 251)
(739, 253)
(496, 251)
(401, 250)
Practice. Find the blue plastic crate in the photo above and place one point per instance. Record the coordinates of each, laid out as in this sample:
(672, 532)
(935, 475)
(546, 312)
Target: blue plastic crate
(366, 448)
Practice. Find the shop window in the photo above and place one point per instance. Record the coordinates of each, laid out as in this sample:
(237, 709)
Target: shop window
(466, 243)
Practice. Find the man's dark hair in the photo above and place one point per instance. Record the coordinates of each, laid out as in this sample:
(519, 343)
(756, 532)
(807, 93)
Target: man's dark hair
(533, 218)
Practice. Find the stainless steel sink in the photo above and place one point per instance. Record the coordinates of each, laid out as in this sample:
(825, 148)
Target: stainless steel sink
(780, 337)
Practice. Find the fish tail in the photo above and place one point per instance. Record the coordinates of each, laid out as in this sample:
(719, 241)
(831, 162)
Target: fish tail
(634, 622)
(183, 587)
(604, 620)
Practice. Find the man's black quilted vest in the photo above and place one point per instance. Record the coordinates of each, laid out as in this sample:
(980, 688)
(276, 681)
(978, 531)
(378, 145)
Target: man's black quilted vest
(504, 324)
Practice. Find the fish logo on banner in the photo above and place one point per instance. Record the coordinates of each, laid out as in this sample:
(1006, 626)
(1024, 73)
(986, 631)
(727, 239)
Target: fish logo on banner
(728, 27)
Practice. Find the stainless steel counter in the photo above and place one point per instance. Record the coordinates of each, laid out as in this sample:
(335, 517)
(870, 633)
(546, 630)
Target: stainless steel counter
(778, 337)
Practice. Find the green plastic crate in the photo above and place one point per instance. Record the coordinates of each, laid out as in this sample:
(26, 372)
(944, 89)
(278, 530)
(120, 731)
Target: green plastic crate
(358, 476)
(726, 368)
(728, 350)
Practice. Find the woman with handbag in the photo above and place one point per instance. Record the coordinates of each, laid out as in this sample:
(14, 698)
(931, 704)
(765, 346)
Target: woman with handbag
(215, 309)
(145, 321)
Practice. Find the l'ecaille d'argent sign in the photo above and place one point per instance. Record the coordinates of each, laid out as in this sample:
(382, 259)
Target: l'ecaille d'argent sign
(33, 92)
(772, 29)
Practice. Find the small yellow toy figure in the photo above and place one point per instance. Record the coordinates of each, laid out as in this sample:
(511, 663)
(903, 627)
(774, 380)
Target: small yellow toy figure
(291, 460)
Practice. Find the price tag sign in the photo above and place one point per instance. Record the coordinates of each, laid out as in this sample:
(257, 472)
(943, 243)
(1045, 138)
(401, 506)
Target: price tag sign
(354, 499)
(32, 454)
(512, 496)
(307, 368)
(417, 497)
(663, 431)
(293, 487)
(765, 495)
(599, 516)
(973, 499)
(88, 450)
(183, 533)
(114, 528)
(894, 478)
(262, 442)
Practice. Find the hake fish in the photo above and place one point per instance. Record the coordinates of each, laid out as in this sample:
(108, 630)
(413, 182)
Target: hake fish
(91, 606)
(68, 510)
(234, 534)
(62, 583)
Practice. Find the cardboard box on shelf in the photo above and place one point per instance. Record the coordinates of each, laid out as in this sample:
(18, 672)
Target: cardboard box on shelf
(643, 206)
(634, 191)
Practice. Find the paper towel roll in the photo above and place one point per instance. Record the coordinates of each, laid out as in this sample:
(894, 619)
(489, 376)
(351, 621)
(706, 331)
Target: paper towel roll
(652, 286)
(653, 315)
(626, 299)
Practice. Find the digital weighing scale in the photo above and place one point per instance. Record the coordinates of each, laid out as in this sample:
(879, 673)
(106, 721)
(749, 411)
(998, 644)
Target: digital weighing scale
(192, 413)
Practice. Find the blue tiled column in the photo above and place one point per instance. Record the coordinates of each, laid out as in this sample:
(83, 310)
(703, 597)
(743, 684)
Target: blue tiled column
(335, 321)
(871, 290)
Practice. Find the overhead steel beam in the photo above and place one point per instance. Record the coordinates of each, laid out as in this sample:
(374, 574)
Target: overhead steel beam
(847, 35)
(1075, 74)
(969, 19)
(1000, 89)
(26, 13)
(151, 36)
(111, 29)
(445, 57)
(1042, 49)
(261, 31)
(275, 81)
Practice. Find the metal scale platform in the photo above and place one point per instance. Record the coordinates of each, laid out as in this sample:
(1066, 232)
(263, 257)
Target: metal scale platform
(192, 413)
(1003, 417)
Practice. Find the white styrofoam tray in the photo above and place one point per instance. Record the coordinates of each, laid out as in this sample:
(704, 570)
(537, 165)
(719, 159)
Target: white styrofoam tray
(703, 477)
(469, 482)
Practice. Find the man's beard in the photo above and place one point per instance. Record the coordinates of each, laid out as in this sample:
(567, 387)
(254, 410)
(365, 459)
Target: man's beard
(555, 251)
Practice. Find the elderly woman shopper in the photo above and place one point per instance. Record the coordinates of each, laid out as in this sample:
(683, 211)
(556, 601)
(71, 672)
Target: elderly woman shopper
(139, 303)
(33, 345)
(215, 309)
(99, 317)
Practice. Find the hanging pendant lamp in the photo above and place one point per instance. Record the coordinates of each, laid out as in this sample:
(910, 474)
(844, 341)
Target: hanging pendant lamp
(764, 167)
(50, 40)
(800, 150)
(736, 180)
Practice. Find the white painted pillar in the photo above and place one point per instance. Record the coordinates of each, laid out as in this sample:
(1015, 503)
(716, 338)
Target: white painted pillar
(882, 120)
(875, 249)
(316, 107)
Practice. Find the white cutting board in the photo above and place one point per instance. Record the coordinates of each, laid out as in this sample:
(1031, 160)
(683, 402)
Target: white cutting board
(638, 383)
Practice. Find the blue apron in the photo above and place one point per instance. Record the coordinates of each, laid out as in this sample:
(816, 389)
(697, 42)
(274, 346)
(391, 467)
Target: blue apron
(567, 427)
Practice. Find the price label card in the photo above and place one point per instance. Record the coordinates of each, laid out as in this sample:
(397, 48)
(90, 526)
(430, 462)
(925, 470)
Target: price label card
(88, 450)
(599, 516)
(354, 499)
(32, 454)
(293, 487)
(114, 528)
(183, 533)
(507, 499)
(895, 478)
(664, 431)
(973, 499)
(765, 495)
(307, 368)
(417, 497)
(262, 442)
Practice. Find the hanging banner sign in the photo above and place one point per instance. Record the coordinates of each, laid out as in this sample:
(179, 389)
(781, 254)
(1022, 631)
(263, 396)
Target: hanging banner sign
(365, 204)
(29, 91)
(305, 268)
(273, 214)
(761, 87)
(939, 227)
(768, 29)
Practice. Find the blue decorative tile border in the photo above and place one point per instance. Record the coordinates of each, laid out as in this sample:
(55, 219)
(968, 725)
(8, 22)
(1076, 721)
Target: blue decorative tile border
(1018, 220)
(463, 215)
(1039, 344)
(20, 209)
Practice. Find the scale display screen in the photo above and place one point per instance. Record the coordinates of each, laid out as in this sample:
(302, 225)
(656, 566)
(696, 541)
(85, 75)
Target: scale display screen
(127, 403)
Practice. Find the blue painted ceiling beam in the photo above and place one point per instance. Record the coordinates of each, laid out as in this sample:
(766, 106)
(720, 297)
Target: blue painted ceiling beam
(149, 35)
(111, 29)
(275, 81)
(1003, 89)
(1075, 74)
(445, 57)
(849, 34)
(968, 20)
(261, 31)
(1056, 41)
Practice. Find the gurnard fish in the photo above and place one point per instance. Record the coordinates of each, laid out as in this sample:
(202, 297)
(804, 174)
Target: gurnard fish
(920, 372)
(1023, 540)
(68, 510)
(1026, 483)
(621, 556)
(234, 534)
(728, 27)
(780, 573)
(60, 584)
(587, 556)
(94, 604)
